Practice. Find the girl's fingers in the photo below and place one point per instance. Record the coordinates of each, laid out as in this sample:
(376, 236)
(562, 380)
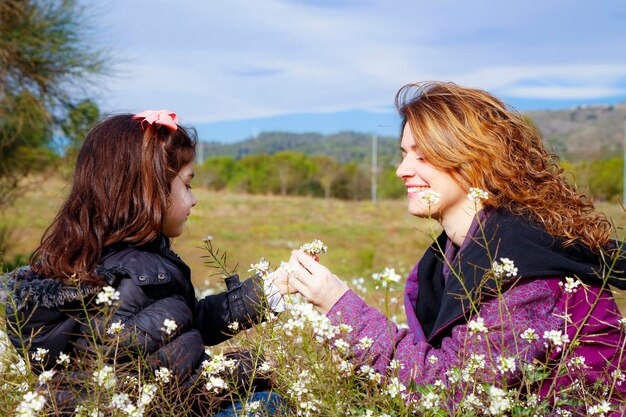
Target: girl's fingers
(298, 285)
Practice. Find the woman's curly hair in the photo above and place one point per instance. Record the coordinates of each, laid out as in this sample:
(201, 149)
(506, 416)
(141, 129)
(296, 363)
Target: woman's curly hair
(482, 143)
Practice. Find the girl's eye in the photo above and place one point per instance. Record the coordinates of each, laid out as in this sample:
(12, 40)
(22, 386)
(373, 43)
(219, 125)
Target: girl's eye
(189, 187)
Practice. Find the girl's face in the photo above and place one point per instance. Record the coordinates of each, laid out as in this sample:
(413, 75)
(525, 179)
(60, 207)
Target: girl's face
(181, 202)
(420, 176)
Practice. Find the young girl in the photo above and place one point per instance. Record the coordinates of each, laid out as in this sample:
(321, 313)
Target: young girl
(520, 270)
(131, 194)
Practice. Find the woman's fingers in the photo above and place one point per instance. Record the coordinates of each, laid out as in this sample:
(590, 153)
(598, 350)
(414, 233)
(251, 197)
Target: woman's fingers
(308, 262)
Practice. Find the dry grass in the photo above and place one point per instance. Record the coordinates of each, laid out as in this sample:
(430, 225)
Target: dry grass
(362, 237)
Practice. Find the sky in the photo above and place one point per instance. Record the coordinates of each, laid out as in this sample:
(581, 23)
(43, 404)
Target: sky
(236, 68)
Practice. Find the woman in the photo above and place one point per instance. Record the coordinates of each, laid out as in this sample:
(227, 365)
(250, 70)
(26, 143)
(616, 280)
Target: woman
(519, 271)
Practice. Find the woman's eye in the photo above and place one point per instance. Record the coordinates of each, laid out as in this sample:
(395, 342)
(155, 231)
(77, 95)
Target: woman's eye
(189, 187)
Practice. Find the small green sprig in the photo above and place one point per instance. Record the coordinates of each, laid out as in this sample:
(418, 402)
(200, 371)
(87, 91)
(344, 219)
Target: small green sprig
(217, 260)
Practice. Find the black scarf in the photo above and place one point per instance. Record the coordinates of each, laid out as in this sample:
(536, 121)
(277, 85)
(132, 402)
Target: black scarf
(535, 253)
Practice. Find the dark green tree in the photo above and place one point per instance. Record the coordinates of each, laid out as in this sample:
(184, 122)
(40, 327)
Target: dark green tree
(216, 172)
(45, 63)
(80, 119)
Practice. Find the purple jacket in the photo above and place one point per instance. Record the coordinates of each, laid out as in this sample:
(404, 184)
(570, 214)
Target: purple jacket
(541, 303)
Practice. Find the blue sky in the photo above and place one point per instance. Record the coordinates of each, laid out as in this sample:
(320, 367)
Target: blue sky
(239, 67)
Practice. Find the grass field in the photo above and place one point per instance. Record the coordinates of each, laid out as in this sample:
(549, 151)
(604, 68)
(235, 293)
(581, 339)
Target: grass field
(362, 237)
(308, 370)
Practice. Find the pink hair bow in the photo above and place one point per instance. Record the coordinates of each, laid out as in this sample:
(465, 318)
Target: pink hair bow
(163, 117)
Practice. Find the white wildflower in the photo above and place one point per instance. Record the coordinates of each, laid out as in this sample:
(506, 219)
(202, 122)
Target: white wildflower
(387, 276)
(40, 354)
(264, 367)
(433, 359)
(345, 328)
(622, 323)
(505, 267)
(394, 387)
(341, 345)
(147, 394)
(82, 411)
(314, 248)
(253, 406)
(557, 338)
(169, 326)
(116, 328)
(370, 373)
(19, 367)
(474, 363)
(32, 402)
(571, 285)
(346, 367)
(395, 365)
(105, 377)
(476, 194)
(430, 400)
(432, 197)
(63, 359)
(234, 326)
(207, 239)
(472, 403)
(217, 364)
(477, 325)
(499, 402)
(599, 410)
(107, 295)
(216, 384)
(529, 335)
(532, 400)
(364, 343)
(45, 376)
(262, 268)
(618, 376)
(506, 364)
(453, 375)
(163, 375)
(120, 401)
(577, 362)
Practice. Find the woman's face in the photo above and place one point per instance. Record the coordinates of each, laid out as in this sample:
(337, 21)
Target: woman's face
(420, 177)
(181, 202)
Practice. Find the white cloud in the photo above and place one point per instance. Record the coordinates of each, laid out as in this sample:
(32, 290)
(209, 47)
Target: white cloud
(213, 61)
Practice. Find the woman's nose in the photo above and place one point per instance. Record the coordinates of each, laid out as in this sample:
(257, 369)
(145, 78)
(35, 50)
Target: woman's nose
(404, 170)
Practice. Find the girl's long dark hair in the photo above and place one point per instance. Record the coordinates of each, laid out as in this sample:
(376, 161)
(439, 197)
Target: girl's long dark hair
(120, 193)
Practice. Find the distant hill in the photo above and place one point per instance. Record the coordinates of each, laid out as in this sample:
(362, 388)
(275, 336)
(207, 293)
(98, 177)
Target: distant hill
(343, 146)
(585, 132)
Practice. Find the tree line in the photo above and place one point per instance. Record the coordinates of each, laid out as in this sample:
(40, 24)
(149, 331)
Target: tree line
(295, 173)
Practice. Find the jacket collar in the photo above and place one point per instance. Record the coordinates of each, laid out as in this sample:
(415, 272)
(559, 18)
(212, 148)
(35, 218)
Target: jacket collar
(26, 287)
(535, 253)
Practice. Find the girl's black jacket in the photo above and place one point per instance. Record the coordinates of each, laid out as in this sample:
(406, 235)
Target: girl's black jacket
(154, 284)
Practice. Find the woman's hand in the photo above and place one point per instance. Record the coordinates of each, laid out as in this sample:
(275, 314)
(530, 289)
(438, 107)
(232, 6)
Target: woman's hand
(315, 282)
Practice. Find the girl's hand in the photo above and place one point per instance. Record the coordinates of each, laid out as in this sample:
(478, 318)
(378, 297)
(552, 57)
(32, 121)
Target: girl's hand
(315, 282)
(280, 278)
